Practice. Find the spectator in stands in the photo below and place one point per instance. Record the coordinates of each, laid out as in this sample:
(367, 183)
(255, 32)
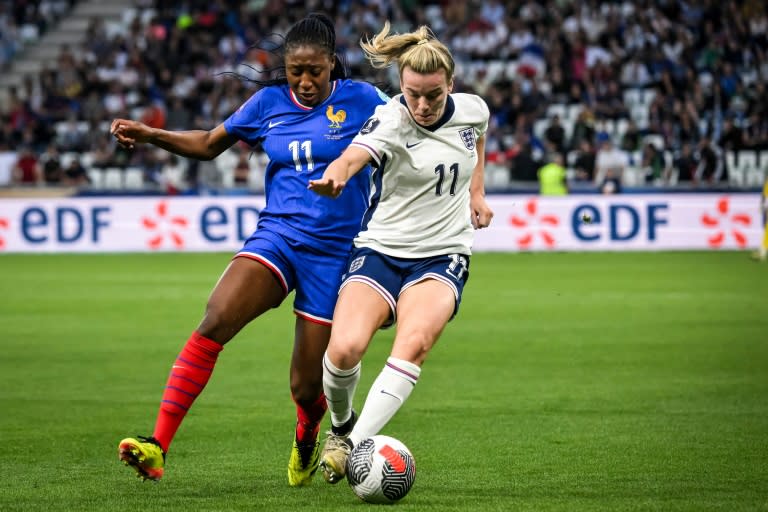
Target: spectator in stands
(173, 175)
(685, 163)
(75, 174)
(70, 138)
(178, 117)
(584, 162)
(610, 102)
(631, 139)
(731, 136)
(552, 176)
(710, 168)
(610, 163)
(756, 132)
(653, 164)
(106, 154)
(242, 170)
(610, 184)
(50, 161)
(7, 164)
(27, 169)
(634, 73)
(523, 165)
(555, 134)
(583, 128)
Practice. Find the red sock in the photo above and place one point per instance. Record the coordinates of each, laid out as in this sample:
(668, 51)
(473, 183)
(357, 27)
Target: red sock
(189, 375)
(308, 419)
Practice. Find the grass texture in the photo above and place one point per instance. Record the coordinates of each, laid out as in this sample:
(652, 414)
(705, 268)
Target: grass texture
(568, 382)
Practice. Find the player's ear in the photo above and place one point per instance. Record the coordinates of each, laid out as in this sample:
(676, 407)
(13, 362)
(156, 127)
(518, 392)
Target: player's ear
(450, 86)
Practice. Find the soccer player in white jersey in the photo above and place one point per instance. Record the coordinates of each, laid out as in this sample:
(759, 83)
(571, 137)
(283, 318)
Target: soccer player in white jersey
(411, 258)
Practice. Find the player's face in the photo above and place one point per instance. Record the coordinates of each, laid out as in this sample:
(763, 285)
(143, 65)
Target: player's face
(308, 70)
(425, 94)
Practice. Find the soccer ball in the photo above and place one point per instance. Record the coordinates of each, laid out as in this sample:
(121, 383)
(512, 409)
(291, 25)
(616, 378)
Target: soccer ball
(381, 469)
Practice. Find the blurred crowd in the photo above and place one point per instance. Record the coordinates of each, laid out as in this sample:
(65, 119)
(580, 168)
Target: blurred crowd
(696, 71)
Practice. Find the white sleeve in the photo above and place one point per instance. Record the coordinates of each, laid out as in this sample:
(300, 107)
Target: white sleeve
(380, 132)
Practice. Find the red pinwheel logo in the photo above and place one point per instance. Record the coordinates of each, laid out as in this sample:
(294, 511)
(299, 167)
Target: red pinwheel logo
(164, 226)
(4, 224)
(726, 223)
(534, 224)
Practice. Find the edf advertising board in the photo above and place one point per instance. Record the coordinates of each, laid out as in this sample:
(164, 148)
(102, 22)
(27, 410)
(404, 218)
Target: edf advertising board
(521, 223)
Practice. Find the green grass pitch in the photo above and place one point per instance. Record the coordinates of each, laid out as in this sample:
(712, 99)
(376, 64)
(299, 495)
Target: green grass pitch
(568, 382)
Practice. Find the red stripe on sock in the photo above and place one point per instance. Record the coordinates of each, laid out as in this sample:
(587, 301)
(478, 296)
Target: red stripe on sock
(189, 375)
(308, 419)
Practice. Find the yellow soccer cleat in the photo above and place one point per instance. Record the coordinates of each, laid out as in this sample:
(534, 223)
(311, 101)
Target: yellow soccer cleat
(144, 455)
(303, 463)
(333, 462)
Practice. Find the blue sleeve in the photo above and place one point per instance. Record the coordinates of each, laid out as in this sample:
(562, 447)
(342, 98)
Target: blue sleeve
(246, 122)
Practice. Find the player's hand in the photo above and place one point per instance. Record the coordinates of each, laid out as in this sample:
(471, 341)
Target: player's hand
(128, 132)
(327, 186)
(481, 212)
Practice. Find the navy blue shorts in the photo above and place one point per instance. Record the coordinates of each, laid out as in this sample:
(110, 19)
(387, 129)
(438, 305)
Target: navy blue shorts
(390, 276)
(313, 273)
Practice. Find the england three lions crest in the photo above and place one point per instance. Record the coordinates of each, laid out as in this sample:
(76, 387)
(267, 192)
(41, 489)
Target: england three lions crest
(468, 138)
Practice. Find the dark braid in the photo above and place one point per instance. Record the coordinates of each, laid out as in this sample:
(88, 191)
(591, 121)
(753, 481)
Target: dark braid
(317, 30)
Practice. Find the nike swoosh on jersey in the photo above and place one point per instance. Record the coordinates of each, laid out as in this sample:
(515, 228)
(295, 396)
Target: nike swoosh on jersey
(409, 146)
(272, 125)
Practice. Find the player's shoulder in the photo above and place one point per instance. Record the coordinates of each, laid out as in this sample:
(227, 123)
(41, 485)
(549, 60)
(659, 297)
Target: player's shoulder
(468, 103)
(264, 98)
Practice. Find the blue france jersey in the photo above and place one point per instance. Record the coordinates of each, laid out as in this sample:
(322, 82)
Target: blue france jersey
(300, 142)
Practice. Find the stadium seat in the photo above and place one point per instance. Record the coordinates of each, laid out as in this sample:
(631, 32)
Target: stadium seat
(67, 158)
(558, 109)
(730, 161)
(762, 158)
(746, 160)
(647, 95)
(134, 178)
(539, 126)
(632, 176)
(747, 163)
(496, 177)
(640, 116)
(631, 97)
(113, 178)
(669, 160)
(656, 140)
(96, 176)
(621, 127)
(755, 177)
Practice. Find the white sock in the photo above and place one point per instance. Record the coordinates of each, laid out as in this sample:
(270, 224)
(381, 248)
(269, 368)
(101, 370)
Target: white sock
(339, 387)
(388, 393)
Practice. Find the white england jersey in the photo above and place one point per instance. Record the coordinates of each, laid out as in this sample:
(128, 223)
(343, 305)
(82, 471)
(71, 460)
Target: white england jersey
(419, 203)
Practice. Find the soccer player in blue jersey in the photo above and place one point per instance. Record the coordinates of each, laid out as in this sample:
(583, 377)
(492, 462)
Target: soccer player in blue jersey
(411, 258)
(301, 242)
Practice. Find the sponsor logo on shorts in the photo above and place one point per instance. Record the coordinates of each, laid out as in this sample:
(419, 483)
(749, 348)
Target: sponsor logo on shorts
(356, 264)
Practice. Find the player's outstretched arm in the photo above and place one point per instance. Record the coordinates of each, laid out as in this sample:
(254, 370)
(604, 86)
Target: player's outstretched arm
(481, 212)
(340, 171)
(197, 144)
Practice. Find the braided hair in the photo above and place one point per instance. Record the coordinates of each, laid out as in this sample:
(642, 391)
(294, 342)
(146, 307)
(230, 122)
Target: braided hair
(316, 30)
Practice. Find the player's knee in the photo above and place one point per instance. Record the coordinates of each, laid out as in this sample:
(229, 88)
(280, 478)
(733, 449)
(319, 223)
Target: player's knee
(413, 347)
(218, 324)
(305, 392)
(345, 351)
